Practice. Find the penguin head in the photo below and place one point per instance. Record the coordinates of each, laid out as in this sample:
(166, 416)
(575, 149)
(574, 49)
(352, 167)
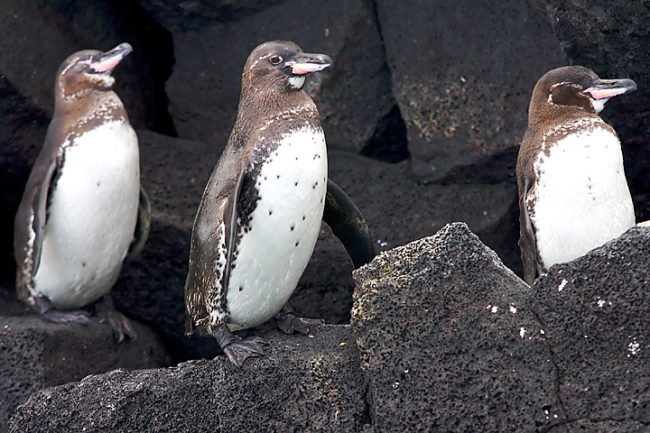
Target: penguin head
(577, 86)
(89, 70)
(281, 66)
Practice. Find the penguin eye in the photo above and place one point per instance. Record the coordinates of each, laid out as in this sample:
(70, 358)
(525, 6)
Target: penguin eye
(275, 60)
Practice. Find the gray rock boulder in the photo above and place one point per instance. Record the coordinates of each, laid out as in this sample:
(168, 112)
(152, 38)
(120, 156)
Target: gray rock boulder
(448, 343)
(462, 75)
(35, 354)
(596, 317)
(305, 383)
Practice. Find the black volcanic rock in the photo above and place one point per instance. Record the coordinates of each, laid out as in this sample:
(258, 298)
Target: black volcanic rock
(595, 312)
(462, 74)
(447, 342)
(605, 426)
(304, 383)
(36, 354)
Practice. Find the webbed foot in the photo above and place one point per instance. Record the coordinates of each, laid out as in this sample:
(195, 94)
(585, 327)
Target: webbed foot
(51, 314)
(58, 316)
(238, 350)
(289, 323)
(120, 324)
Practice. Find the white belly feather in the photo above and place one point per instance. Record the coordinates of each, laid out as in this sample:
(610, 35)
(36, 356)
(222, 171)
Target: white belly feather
(284, 228)
(582, 197)
(92, 216)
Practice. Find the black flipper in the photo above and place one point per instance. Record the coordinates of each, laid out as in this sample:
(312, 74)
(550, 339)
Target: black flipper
(230, 221)
(527, 241)
(142, 227)
(348, 225)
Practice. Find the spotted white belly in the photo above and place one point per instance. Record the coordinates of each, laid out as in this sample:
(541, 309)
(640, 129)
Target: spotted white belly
(91, 218)
(284, 228)
(582, 195)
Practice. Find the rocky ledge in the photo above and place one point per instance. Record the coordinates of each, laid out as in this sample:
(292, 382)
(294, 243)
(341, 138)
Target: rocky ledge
(443, 337)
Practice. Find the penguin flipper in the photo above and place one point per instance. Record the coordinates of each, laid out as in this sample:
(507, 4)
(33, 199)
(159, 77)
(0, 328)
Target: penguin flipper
(29, 224)
(143, 225)
(527, 241)
(230, 220)
(348, 225)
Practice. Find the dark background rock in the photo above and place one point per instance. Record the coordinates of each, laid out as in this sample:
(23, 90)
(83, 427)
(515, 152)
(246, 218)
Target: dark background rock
(35, 354)
(39, 35)
(462, 74)
(306, 383)
(595, 313)
(447, 342)
(352, 97)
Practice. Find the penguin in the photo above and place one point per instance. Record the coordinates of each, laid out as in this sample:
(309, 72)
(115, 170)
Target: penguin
(573, 195)
(78, 213)
(261, 211)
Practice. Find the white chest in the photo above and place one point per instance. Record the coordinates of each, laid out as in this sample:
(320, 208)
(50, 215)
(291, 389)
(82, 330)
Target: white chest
(581, 194)
(284, 228)
(92, 216)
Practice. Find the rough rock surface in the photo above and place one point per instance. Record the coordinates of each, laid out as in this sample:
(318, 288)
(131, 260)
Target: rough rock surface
(448, 343)
(352, 96)
(304, 383)
(462, 73)
(35, 354)
(595, 313)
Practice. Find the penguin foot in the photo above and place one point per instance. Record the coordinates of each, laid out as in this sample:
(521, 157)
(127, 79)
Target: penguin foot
(57, 316)
(238, 350)
(51, 314)
(289, 323)
(120, 324)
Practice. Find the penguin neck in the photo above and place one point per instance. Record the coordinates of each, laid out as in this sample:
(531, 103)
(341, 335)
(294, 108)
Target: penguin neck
(542, 113)
(93, 105)
(267, 105)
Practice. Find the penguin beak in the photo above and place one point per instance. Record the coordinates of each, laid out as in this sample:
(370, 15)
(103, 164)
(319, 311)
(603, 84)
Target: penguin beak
(605, 89)
(105, 63)
(305, 63)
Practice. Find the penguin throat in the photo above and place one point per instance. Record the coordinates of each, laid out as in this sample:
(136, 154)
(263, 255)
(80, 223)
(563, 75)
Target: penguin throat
(296, 81)
(598, 104)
